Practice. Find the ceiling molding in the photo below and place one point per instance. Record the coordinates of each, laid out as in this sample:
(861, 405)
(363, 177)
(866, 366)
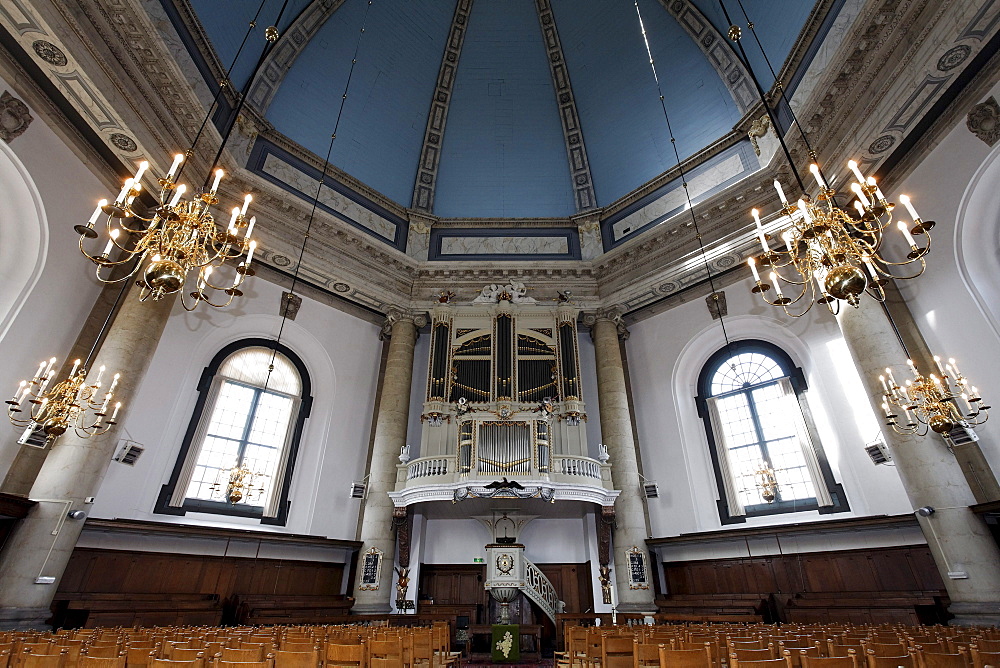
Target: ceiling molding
(290, 44)
(437, 119)
(576, 150)
(717, 51)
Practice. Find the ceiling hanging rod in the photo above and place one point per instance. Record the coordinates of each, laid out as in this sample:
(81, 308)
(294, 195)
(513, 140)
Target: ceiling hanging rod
(286, 303)
(226, 81)
(271, 35)
(777, 81)
(683, 176)
(734, 35)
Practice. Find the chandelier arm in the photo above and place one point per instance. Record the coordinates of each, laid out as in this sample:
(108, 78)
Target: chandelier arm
(742, 57)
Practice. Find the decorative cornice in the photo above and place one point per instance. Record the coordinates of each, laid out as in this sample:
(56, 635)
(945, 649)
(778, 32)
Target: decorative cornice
(576, 151)
(290, 44)
(717, 51)
(430, 152)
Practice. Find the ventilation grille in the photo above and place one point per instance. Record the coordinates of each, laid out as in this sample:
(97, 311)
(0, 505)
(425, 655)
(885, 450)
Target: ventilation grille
(34, 437)
(129, 452)
(962, 434)
(650, 489)
(359, 490)
(879, 452)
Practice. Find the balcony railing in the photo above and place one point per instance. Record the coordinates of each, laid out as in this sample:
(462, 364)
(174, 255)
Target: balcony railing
(443, 469)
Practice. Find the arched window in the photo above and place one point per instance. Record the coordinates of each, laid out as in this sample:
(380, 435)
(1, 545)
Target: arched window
(767, 456)
(253, 400)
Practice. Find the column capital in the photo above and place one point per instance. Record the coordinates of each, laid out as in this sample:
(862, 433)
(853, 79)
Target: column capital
(611, 314)
(396, 314)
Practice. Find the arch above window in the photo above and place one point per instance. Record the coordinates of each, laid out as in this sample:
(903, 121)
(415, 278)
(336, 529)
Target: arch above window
(253, 400)
(767, 456)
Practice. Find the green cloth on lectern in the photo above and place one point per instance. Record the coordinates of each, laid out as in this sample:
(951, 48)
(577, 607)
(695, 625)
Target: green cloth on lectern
(506, 643)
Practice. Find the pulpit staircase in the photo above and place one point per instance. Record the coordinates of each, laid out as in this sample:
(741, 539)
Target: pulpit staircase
(509, 570)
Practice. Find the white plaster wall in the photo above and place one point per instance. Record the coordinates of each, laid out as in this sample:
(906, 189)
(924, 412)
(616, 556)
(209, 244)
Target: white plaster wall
(341, 354)
(546, 541)
(48, 287)
(666, 354)
(453, 541)
(956, 303)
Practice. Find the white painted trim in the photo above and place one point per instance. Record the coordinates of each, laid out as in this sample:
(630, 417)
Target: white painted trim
(24, 236)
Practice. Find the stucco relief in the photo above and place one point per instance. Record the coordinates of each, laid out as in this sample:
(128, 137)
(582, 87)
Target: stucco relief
(14, 117)
(984, 121)
(504, 246)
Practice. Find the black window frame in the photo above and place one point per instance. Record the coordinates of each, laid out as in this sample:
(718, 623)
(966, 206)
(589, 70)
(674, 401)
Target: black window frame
(163, 507)
(799, 386)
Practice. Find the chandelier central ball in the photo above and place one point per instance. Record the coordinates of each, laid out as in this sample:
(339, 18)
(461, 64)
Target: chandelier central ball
(164, 275)
(846, 282)
(940, 424)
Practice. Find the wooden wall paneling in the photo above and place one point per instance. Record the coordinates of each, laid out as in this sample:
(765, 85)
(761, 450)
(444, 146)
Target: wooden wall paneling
(789, 573)
(801, 582)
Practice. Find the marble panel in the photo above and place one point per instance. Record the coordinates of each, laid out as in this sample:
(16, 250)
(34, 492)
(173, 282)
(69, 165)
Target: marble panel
(698, 185)
(298, 180)
(507, 245)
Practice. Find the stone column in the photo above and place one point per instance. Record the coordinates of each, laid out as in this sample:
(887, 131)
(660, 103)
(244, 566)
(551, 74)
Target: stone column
(616, 432)
(958, 539)
(390, 436)
(28, 462)
(43, 542)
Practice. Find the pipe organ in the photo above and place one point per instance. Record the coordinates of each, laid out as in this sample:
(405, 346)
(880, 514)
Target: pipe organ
(503, 390)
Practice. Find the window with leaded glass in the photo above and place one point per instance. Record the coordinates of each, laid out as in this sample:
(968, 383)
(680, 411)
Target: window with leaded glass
(766, 454)
(253, 400)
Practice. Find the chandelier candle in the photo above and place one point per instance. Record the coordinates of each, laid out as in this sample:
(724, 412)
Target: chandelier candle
(70, 404)
(181, 244)
(832, 256)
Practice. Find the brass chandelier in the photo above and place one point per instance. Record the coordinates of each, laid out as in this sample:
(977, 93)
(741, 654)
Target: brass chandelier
(181, 238)
(939, 401)
(72, 403)
(181, 243)
(239, 485)
(831, 256)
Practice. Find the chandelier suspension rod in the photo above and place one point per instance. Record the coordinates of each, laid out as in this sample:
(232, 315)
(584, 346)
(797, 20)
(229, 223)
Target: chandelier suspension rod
(319, 190)
(272, 39)
(745, 61)
(781, 89)
(226, 81)
(107, 323)
(684, 182)
(895, 330)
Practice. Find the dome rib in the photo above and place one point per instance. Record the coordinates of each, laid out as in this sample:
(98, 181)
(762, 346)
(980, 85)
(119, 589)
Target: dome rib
(291, 43)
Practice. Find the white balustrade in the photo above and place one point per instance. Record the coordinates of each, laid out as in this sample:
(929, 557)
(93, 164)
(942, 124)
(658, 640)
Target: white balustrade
(580, 466)
(539, 589)
(430, 466)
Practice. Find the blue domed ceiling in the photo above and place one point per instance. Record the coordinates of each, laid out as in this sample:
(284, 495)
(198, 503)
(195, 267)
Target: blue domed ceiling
(503, 152)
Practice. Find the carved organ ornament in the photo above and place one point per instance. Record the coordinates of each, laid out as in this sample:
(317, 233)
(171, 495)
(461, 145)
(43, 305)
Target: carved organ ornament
(503, 384)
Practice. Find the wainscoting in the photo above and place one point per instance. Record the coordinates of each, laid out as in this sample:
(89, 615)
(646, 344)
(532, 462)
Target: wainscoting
(127, 572)
(892, 584)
